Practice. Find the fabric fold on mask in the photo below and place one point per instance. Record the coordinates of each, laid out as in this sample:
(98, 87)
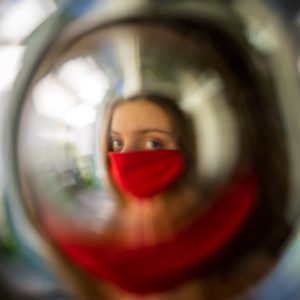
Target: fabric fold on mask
(145, 174)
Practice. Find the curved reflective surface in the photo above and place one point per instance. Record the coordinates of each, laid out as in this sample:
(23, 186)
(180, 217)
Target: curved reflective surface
(118, 63)
(226, 84)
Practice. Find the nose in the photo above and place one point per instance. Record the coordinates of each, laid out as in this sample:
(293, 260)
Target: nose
(130, 145)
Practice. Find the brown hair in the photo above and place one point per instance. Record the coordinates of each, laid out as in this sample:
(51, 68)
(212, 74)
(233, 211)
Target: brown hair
(181, 123)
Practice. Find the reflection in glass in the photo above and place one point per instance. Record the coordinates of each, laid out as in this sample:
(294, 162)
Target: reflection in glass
(66, 139)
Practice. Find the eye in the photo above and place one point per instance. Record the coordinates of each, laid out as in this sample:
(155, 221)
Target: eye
(153, 145)
(116, 145)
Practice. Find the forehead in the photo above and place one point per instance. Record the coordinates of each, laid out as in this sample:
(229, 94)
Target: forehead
(140, 114)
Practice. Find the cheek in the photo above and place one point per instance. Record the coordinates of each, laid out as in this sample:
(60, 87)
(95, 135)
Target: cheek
(172, 144)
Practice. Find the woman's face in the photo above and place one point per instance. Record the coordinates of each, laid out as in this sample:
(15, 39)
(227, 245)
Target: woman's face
(141, 125)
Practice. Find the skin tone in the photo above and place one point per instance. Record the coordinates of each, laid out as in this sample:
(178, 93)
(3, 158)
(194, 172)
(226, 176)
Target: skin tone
(141, 125)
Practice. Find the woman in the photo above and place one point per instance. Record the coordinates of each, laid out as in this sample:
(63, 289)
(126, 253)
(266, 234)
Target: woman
(145, 124)
(168, 240)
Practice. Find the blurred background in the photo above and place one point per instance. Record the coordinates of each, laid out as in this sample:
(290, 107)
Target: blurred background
(23, 273)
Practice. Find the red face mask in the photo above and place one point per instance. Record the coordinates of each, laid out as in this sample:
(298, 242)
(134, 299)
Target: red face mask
(145, 174)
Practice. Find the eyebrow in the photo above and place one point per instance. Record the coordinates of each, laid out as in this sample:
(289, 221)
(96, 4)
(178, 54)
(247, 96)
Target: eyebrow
(145, 131)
